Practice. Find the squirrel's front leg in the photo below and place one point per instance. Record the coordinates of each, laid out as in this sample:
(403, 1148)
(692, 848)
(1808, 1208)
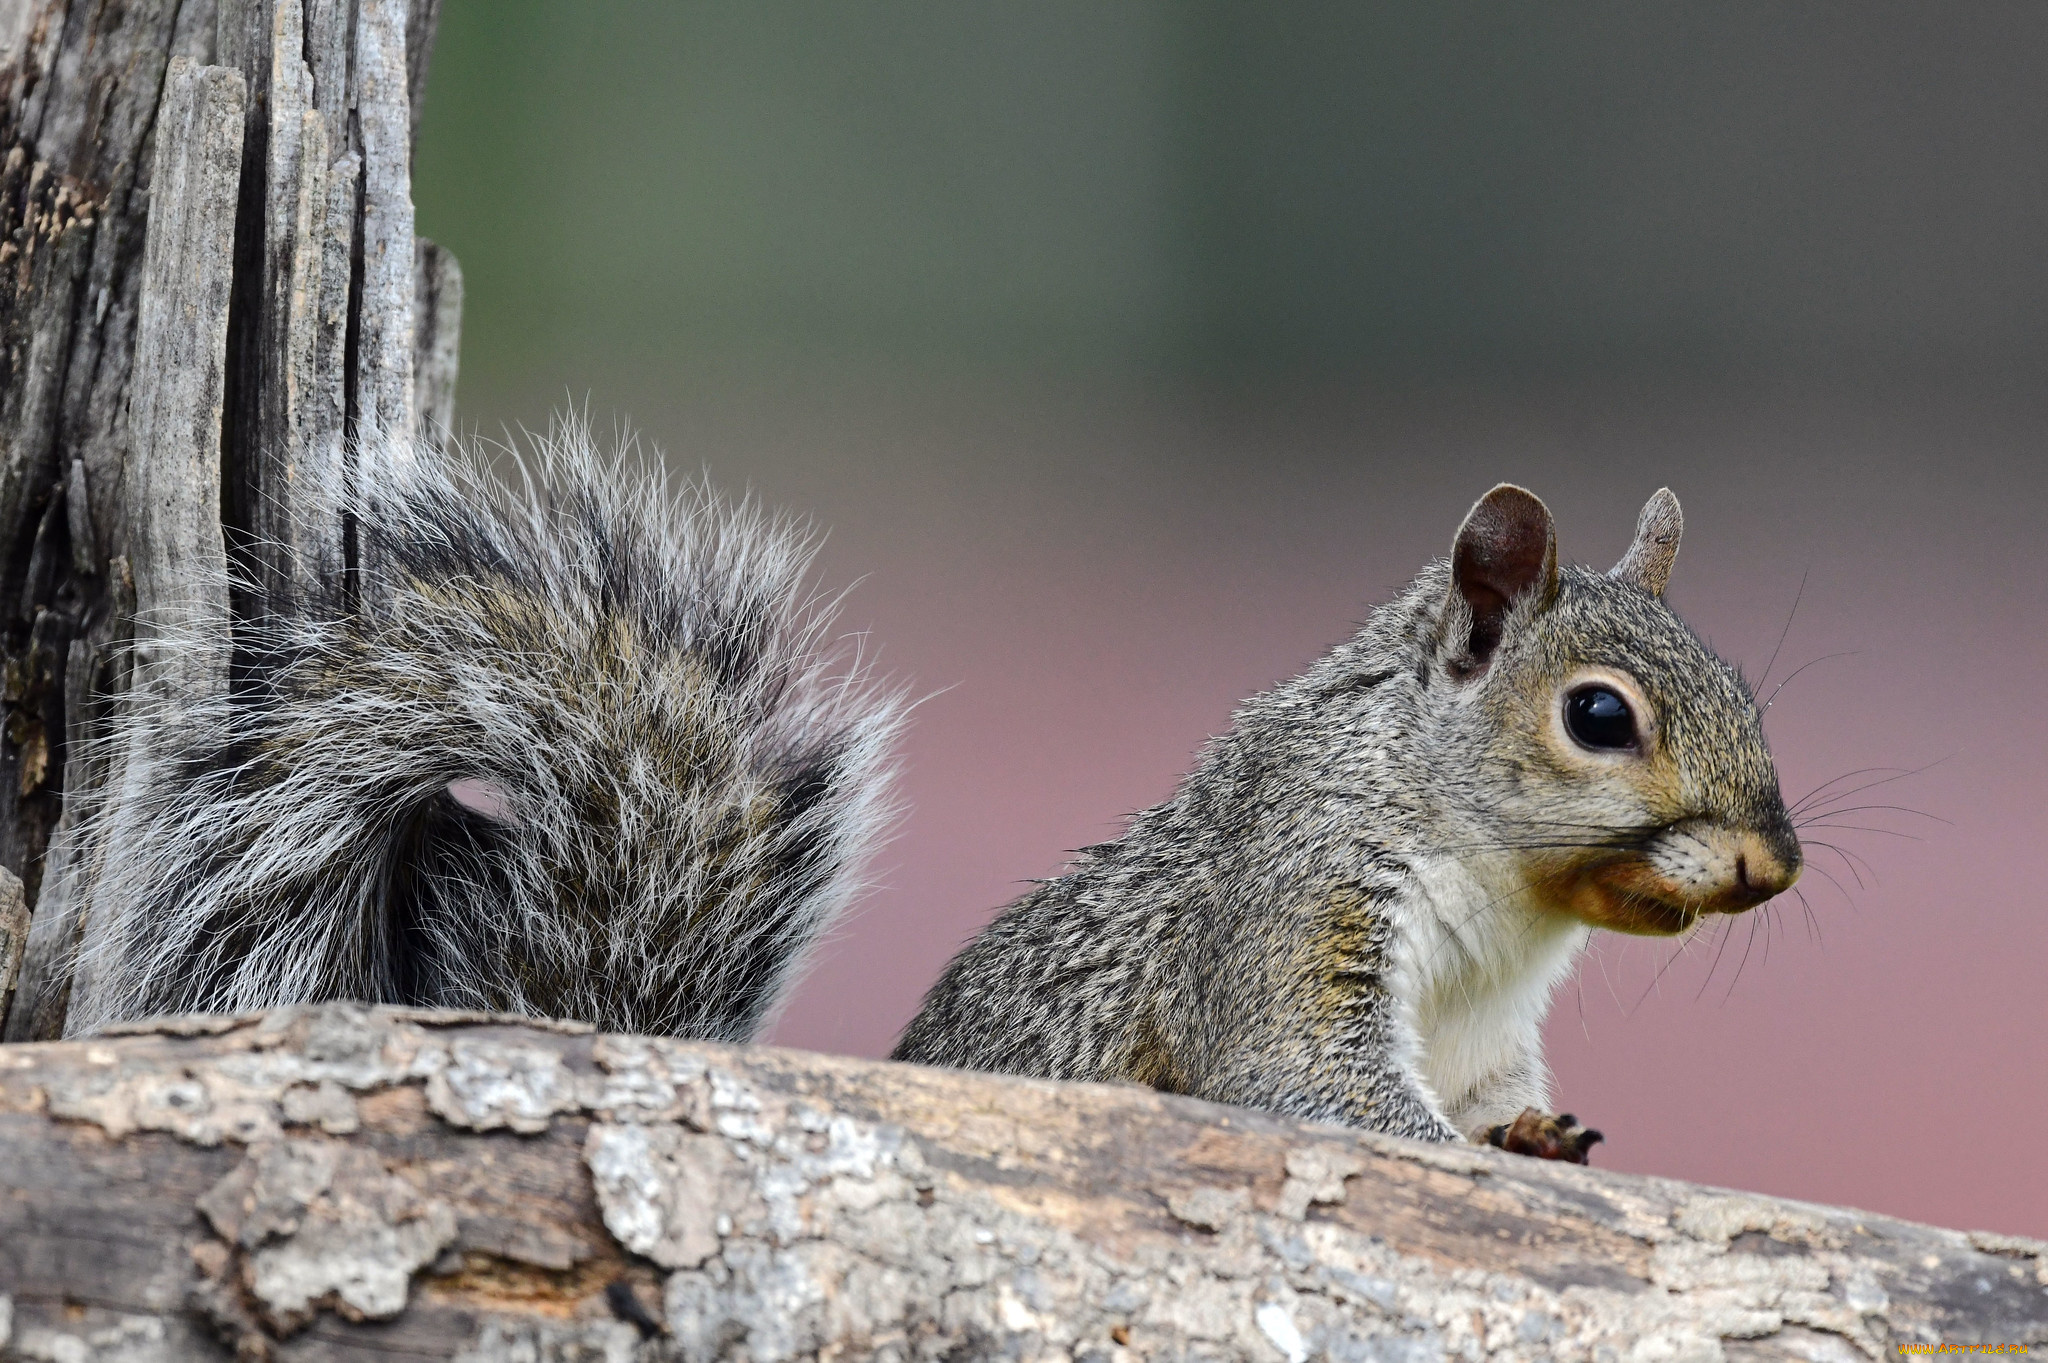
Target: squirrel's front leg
(1511, 1111)
(1337, 1051)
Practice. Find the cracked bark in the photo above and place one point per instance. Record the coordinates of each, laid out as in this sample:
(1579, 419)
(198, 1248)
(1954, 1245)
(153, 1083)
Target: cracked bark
(341, 1182)
(191, 327)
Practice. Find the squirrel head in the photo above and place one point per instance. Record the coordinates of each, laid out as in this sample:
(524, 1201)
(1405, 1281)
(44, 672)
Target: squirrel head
(1609, 753)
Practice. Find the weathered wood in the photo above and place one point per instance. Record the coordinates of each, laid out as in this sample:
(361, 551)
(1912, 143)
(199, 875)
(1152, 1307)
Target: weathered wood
(43, 990)
(437, 338)
(172, 492)
(321, 318)
(78, 98)
(383, 404)
(288, 493)
(182, 618)
(340, 1183)
(420, 27)
(315, 252)
(13, 934)
(328, 56)
(167, 511)
(172, 506)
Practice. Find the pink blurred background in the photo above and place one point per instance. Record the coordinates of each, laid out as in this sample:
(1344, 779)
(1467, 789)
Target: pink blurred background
(1110, 443)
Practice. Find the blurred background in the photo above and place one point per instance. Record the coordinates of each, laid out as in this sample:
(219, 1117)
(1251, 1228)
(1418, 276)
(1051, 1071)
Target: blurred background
(1131, 353)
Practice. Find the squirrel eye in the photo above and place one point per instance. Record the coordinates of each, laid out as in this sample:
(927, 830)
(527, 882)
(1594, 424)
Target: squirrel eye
(1599, 718)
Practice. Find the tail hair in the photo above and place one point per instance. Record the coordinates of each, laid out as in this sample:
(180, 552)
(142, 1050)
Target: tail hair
(590, 748)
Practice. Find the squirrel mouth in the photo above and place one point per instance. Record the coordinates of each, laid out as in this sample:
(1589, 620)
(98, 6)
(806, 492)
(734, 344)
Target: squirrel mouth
(1624, 894)
(1642, 916)
(1722, 869)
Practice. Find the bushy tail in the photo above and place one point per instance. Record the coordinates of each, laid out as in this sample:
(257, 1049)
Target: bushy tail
(588, 752)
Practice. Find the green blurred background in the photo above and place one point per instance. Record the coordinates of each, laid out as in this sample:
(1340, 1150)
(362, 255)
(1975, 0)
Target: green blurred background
(1239, 190)
(1131, 351)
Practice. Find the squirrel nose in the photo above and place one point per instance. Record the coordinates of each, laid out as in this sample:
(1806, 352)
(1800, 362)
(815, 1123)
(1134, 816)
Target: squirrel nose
(1761, 870)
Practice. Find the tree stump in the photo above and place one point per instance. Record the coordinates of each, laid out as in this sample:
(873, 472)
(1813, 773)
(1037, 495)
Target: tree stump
(211, 290)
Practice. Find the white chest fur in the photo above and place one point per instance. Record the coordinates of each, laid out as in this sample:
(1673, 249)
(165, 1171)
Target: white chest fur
(1481, 963)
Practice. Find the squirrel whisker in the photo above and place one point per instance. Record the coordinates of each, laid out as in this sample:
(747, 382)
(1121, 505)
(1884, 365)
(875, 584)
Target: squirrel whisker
(1790, 615)
(1825, 657)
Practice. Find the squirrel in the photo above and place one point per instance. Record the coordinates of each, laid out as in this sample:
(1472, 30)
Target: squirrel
(1358, 905)
(589, 749)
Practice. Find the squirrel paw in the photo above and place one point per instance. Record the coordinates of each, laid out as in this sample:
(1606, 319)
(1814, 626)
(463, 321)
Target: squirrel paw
(1546, 1136)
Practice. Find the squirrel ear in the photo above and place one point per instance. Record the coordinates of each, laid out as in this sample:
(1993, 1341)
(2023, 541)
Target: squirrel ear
(1647, 564)
(1506, 547)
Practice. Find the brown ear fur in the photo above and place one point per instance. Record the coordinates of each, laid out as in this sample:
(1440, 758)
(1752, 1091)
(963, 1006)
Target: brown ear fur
(1506, 548)
(1647, 564)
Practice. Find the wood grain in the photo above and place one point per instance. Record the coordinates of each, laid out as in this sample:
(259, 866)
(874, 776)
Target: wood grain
(172, 491)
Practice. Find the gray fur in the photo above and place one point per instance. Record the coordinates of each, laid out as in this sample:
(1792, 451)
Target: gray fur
(1350, 872)
(586, 752)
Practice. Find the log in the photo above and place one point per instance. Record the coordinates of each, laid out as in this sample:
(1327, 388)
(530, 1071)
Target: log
(339, 1182)
(208, 285)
